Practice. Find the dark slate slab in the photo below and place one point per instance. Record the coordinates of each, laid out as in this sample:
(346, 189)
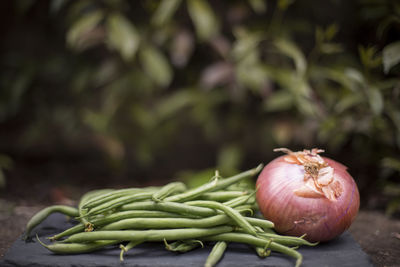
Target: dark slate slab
(343, 251)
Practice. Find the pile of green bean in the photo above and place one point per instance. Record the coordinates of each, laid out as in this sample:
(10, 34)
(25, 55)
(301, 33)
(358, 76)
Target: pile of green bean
(220, 211)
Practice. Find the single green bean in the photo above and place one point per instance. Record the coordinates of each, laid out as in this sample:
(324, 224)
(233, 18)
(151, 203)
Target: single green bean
(98, 222)
(216, 254)
(263, 223)
(239, 201)
(118, 202)
(258, 242)
(183, 245)
(180, 208)
(170, 207)
(214, 185)
(234, 214)
(44, 213)
(77, 248)
(115, 194)
(167, 190)
(238, 177)
(222, 196)
(193, 193)
(287, 240)
(165, 223)
(129, 246)
(147, 235)
(89, 196)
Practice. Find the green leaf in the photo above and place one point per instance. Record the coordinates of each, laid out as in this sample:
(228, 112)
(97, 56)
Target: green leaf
(143, 117)
(284, 4)
(204, 19)
(291, 50)
(347, 102)
(155, 65)
(82, 26)
(229, 159)
(306, 106)
(245, 47)
(288, 79)
(252, 76)
(196, 178)
(259, 6)
(337, 75)
(391, 56)
(368, 57)
(375, 99)
(164, 12)
(281, 100)
(331, 31)
(385, 23)
(96, 120)
(331, 48)
(122, 36)
(355, 76)
(391, 163)
(174, 103)
(319, 35)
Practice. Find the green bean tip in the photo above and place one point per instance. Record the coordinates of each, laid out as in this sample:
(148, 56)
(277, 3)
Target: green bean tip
(41, 243)
(258, 168)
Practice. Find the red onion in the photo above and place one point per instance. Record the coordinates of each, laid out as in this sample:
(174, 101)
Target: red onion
(304, 193)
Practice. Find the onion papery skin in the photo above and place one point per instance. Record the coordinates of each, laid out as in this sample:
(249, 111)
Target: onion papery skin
(319, 218)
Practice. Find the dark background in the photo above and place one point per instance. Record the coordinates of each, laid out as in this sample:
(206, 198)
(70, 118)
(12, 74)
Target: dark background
(130, 93)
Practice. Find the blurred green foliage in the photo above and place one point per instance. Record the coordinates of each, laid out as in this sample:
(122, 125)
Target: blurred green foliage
(193, 84)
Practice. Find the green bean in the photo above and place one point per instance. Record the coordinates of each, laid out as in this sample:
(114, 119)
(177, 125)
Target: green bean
(84, 199)
(164, 223)
(77, 248)
(214, 185)
(281, 239)
(193, 193)
(238, 201)
(167, 190)
(98, 222)
(222, 196)
(44, 213)
(118, 202)
(255, 241)
(288, 240)
(238, 177)
(116, 194)
(263, 223)
(147, 235)
(246, 207)
(262, 252)
(170, 207)
(183, 245)
(129, 246)
(70, 231)
(264, 229)
(89, 196)
(216, 253)
(234, 214)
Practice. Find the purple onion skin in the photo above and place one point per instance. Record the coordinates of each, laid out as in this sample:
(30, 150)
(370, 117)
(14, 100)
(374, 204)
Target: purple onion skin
(319, 218)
